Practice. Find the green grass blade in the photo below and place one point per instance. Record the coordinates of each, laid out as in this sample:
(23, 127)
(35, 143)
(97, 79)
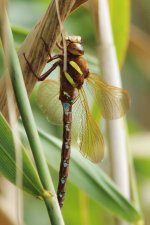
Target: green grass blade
(91, 179)
(31, 182)
(120, 19)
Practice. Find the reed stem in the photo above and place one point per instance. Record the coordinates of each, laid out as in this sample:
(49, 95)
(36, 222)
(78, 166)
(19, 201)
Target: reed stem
(116, 128)
(28, 120)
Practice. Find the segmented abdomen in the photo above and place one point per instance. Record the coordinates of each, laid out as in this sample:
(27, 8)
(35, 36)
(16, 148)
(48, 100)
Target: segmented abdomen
(65, 155)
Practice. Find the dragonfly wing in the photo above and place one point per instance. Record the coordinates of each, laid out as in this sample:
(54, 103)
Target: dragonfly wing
(48, 101)
(114, 102)
(90, 139)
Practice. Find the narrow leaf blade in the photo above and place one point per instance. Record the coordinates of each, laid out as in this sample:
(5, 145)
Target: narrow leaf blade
(91, 179)
(120, 19)
(31, 182)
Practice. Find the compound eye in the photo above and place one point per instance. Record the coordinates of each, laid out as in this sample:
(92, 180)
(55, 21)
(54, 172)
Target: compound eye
(75, 49)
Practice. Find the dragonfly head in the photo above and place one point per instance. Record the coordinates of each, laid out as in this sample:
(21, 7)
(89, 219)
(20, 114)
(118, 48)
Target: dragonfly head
(74, 45)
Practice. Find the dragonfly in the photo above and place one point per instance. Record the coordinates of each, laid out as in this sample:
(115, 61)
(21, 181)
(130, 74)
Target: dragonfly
(65, 102)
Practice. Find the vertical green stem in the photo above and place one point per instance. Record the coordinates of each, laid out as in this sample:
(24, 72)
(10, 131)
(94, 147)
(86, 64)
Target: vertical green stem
(28, 121)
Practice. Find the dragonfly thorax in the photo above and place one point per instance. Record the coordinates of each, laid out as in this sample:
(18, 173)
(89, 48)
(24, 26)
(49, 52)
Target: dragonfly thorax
(77, 69)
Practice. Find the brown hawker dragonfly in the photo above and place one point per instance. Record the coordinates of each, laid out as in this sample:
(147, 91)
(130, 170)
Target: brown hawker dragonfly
(66, 102)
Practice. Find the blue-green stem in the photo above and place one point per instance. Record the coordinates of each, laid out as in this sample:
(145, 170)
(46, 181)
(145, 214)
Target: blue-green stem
(29, 123)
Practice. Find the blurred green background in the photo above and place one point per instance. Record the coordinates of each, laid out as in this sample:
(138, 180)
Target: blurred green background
(133, 48)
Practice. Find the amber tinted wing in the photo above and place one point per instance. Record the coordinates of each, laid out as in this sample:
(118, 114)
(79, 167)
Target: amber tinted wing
(48, 101)
(90, 139)
(114, 102)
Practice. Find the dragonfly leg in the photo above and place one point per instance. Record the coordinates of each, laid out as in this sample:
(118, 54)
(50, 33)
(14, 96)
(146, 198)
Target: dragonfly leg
(59, 56)
(46, 74)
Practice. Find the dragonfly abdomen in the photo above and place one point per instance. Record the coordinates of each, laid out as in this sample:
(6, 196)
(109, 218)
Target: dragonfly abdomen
(65, 155)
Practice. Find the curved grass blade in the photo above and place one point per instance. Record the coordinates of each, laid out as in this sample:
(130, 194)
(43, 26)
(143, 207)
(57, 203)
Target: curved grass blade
(31, 182)
(91, 179)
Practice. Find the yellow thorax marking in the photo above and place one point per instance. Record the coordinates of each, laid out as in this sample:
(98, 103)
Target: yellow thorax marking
(76, 67)
(69, 79)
